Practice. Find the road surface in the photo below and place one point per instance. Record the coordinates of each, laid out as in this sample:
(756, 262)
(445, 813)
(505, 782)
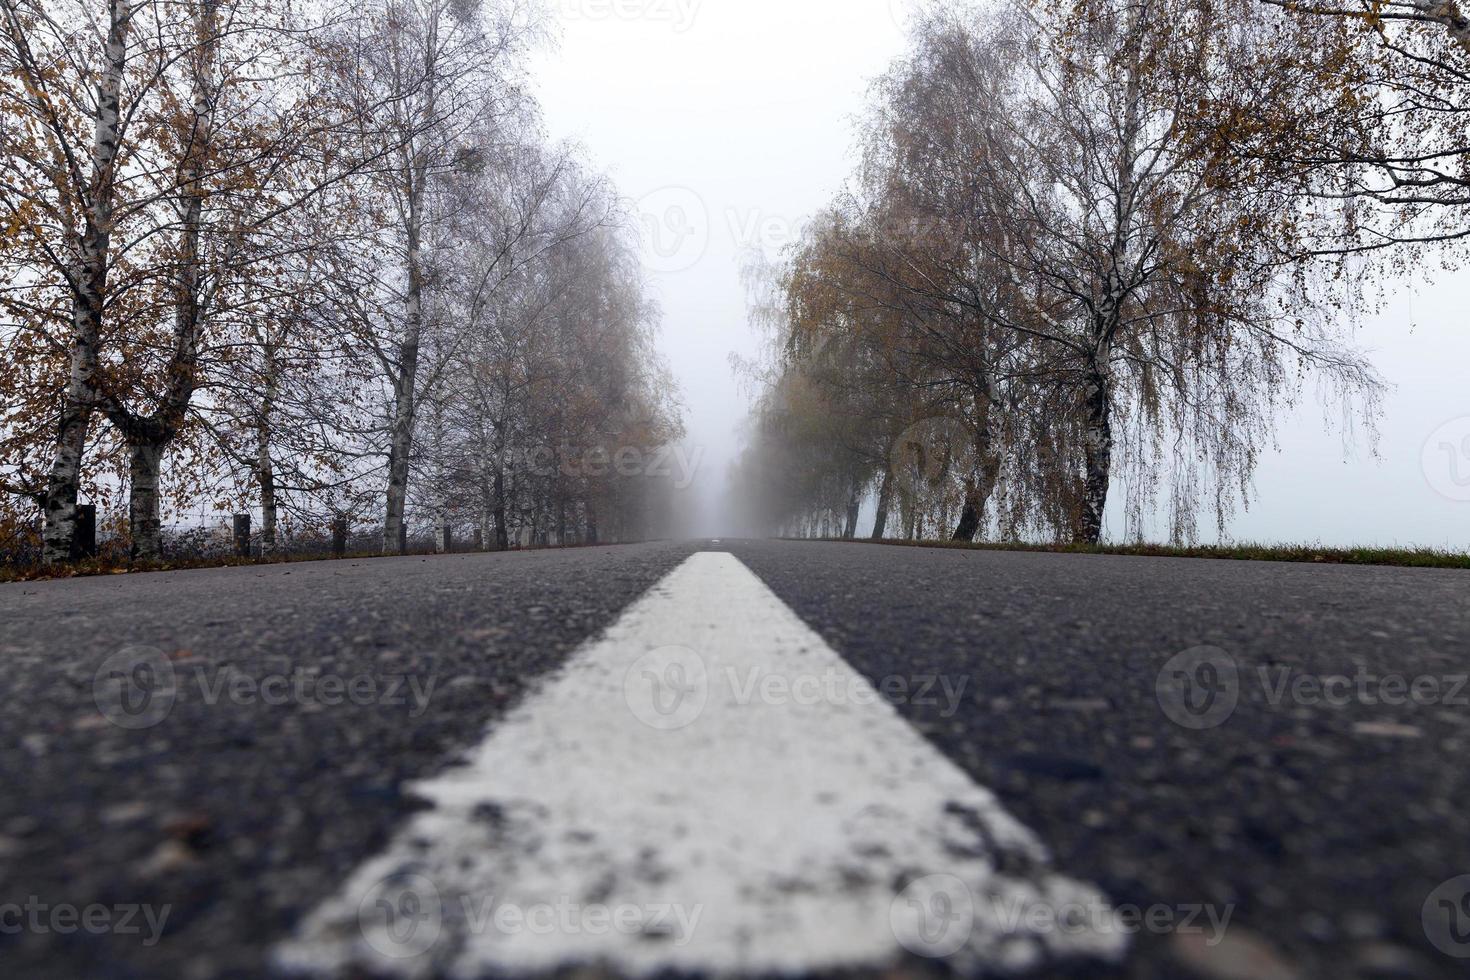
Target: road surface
(738, 758)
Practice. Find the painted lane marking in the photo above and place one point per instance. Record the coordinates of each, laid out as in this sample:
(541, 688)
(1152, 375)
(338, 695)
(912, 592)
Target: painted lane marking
(657, 806)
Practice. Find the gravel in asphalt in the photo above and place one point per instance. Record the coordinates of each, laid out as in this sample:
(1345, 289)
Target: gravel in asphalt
(1323, 823)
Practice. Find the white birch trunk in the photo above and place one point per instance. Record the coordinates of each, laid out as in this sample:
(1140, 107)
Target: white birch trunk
(149, 438)
(404, 408)
(1097, 446)
(145, 463)
(885, 501)
(88, 281)
(854, 508)
(416, 173)
(265, 475)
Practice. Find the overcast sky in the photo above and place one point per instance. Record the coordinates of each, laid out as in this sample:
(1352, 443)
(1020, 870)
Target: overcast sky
(732, 121)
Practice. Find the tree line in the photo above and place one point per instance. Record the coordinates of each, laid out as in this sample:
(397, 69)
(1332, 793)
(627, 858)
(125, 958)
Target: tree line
(318, 261)
(1092, 252)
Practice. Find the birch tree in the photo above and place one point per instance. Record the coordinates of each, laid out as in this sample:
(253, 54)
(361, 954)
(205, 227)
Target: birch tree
(557, 376)
(1149, 259)
(249, 137)
(857, 333)
(1372, 120)
(439, 68)
(72, 84)
(1112, 287)
(212, 128)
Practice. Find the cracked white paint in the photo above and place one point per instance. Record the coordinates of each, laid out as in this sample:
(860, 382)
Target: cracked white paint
(641, 812)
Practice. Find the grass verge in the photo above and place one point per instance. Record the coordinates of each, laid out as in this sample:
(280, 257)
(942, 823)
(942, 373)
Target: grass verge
(99, 566)
(1306, 554)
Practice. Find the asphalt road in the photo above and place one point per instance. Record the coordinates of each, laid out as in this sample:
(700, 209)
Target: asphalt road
(1300, 768)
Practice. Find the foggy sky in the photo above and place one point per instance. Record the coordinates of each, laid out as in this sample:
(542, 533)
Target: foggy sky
(730, 122)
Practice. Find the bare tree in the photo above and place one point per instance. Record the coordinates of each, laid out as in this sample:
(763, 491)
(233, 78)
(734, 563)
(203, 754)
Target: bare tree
(207, 136)
(440, 68)
(1148, 263)
(1049, 249)
(1371, 120)
(60, 189)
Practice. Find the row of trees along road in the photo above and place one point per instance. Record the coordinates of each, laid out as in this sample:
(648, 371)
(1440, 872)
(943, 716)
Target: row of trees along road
(1102, 244)
(318, 259)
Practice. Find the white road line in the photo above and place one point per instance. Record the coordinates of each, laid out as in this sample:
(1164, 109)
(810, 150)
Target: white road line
(708, 788)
